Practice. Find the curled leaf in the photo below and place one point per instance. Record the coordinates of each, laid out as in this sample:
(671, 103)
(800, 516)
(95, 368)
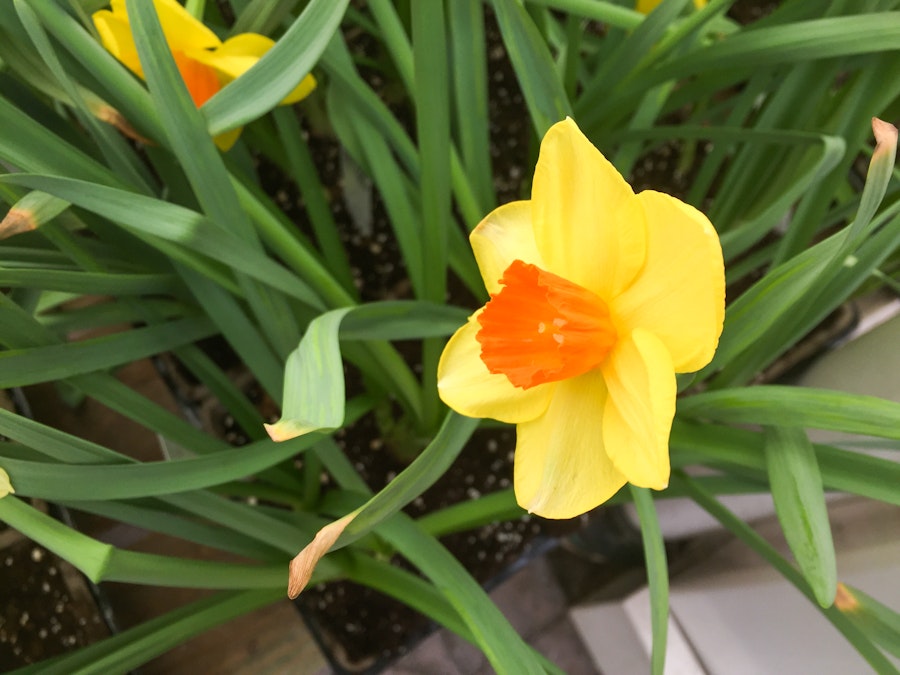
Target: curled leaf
(109, 115)
(885, 137)
(304, 563)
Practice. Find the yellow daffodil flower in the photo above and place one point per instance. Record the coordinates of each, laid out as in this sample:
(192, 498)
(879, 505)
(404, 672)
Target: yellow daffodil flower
(598, 297)
(205, 62)
(647, 6)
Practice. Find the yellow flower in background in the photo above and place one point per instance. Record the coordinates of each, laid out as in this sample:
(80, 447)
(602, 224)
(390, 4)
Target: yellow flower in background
(598, 297)
(647, 6)
(205, 62)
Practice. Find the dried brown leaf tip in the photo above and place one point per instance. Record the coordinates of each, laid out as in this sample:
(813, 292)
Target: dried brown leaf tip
(112, 116)
(844, 600)
(303, 565)
(885, 133)
(17, 221)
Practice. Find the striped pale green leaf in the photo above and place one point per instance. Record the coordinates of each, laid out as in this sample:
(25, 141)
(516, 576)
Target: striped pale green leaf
(543, 91)
(657, 575)
(808, 274)
(313, 381)
(778, 405)
(800, 505)
(859, 639)
(263, 86)
(742, 450)
(875, 619)
(21, 367)
(146, 215)
(314, 376)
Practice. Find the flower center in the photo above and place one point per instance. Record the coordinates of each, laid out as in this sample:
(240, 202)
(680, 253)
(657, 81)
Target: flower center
(543, 328)
(201, 80)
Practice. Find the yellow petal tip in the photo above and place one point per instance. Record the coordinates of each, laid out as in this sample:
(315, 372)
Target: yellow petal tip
(6, 487)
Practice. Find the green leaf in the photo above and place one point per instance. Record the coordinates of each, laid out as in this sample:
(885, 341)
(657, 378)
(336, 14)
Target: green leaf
(149, 216)
(657, 575)
(807, 407)
(503, 646)
(280, 70)
(800, 505)
(858, 638)
(544, 93)
(313, 381)
(49, 480)
(85, 553)
(878, 621)
(314, 375)
(21, 367)
(89, 283)
(726, 447)
(430, 465)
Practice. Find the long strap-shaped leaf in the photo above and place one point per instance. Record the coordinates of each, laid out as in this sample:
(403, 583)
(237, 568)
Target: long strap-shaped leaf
(146, 215)
(796, 406)
(745, 533)
(47, 480)
(800, 505)
(261, 88)
(21, 367)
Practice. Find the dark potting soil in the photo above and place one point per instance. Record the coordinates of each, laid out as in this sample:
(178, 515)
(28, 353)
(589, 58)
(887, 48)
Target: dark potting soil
(46, 607)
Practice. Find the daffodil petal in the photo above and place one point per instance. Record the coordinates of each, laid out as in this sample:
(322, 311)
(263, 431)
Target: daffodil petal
(116, 38)
(638, 415)
(239, 54)
(504, 235)
(680, 294)
(235, 56)
(587, 224)
(226, 140)
(301, 91)
(181, 29)
(561, 467)
(466, 385)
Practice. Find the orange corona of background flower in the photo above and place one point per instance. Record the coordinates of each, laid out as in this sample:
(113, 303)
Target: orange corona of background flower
(598, 297)
(205, 62)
